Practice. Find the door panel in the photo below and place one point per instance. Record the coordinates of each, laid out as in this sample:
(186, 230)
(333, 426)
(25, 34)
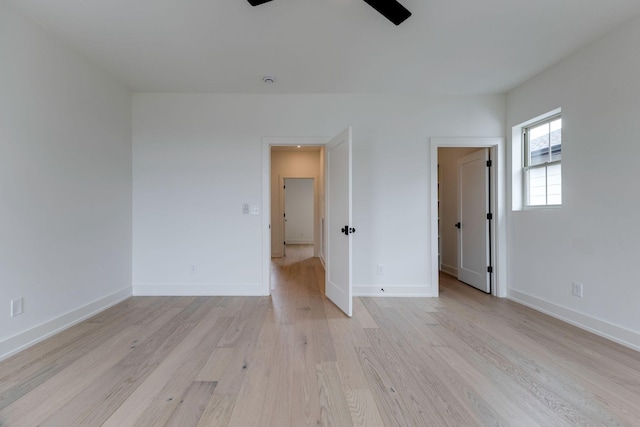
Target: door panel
(338, 199)
(298, 211)
(473, 206)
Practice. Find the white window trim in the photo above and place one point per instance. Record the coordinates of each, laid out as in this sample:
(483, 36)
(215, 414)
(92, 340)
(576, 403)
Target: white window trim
(519, 196)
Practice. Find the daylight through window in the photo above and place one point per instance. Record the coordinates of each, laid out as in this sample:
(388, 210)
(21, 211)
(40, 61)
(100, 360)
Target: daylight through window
(542, 167)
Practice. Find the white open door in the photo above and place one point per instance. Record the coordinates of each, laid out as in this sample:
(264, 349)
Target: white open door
(339, 227)
(473, 207)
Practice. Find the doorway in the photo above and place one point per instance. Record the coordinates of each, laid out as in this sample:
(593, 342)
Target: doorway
(497, 248)
(302, 165)
(334, 222)
(464, 215)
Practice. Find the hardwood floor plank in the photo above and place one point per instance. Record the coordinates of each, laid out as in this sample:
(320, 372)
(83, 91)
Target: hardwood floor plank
(192, 404)
(27, 371)
(539, 388)
(80, 374)
(392, 408)
(276, 408)
(305, 408)
(363, 408)
(218, 410)
(101, 398)
(427, 400)
(361, 313)
(320, 333)
(351, 374)
(260, 372)
(334, 410)
(155, 398)
(216, 364)
(245, 345)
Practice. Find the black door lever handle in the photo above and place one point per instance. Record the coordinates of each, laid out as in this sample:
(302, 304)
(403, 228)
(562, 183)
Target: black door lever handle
(348, 230)
(458, 225)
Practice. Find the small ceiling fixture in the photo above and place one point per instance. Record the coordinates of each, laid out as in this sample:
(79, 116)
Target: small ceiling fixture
(269, 80)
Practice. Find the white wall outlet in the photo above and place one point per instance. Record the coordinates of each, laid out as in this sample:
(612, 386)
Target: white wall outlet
(16, 307)
(577, 289)
(192, 269)
(380, 269)
(255, 210)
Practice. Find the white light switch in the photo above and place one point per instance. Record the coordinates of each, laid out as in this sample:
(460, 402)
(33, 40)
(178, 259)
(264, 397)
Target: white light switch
(245, 208)
(16, 307)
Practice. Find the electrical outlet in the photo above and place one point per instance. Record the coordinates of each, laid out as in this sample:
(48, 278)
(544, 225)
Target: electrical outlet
(380, 268)
(16, 307)
(577, 289)
(192, 269)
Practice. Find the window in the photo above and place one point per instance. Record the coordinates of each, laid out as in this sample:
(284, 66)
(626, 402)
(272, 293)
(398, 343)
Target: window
(542, 168)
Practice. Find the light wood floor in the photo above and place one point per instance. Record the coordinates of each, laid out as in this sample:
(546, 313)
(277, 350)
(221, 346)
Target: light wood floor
(293, 359)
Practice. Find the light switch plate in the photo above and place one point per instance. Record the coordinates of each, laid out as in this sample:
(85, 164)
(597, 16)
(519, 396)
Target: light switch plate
(16, 307)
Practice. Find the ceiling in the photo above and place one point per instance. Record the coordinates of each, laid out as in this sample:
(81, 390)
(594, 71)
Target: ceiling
(456, 47)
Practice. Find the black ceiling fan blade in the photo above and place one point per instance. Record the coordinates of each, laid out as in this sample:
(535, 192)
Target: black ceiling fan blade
(257, 2)
(390, 9)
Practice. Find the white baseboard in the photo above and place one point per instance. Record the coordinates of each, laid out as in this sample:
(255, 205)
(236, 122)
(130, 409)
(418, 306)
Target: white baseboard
(198, 289)
(23, 340)
(300, 242)
(394, 291)
(597, 326)
(321, 257)
(449, 269)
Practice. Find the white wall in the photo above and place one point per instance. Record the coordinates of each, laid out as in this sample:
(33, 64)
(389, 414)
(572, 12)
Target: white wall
(594, 238)
(448, 163)
(293, 165)
(65, 185)
(299, 204)
(188, 149)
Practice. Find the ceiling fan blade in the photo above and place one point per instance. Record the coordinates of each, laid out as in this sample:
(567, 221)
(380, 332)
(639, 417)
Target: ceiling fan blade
(257, 2)
(390, 9)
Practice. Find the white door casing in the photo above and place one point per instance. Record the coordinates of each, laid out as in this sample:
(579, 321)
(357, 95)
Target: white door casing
(497, 147)
(473, 233)
(338, 286)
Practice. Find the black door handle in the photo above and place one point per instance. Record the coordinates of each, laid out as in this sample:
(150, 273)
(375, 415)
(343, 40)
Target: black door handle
(348, 230)
(458, 225)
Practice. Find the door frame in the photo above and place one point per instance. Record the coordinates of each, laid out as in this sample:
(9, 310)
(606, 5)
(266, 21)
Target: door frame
(267, 142)
(498, 207)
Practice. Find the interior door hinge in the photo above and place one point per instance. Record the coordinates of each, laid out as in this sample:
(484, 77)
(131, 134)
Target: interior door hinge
(489, 163)
(489, 269)
(489, 216)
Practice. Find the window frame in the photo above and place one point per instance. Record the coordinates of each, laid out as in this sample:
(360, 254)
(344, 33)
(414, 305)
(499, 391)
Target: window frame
(526, 167)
